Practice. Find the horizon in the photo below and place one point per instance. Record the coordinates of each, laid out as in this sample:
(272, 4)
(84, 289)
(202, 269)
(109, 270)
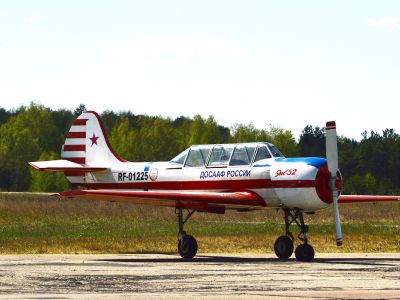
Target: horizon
(230, 127)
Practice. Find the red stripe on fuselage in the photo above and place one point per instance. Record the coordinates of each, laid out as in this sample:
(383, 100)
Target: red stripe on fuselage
(76, 135)
(205, 185)
(74, 147)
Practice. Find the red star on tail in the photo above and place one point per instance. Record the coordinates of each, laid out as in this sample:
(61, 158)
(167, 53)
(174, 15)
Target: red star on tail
(94, 139)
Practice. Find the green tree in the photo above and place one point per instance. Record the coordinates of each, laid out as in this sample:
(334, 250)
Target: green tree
(196, 130)
(48, 181)
(358, 184)
(17, 147)
(160, 141)
(284, 140)
(211, 132)
(80, 109)
(123, 141)
(249, 133)
(312, 142)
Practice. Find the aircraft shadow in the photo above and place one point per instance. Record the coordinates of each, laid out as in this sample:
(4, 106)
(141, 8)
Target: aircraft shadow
(198, 258)
(369, 261)
(365, 261)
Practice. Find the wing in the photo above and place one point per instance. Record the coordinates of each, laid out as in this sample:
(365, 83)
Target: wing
(204, 201)
(366, 198)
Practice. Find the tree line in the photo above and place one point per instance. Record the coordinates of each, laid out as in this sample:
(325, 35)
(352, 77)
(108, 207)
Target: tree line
(369, 166)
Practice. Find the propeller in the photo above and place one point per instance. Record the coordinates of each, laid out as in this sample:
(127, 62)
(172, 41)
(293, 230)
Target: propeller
(332, 158)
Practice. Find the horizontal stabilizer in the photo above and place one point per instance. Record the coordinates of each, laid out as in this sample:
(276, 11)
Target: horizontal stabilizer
(366, 198)
(62, 165)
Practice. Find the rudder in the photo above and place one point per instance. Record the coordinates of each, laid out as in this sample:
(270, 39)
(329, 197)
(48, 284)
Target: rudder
(87, 144)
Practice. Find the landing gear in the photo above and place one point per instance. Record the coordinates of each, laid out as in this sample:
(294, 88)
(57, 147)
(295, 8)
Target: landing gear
(304, 252)
(187, 244)
(284, 244)
(283, 247)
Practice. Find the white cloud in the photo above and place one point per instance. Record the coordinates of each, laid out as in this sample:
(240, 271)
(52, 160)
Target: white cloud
(35, 18)
(383, 22)
(167, 49)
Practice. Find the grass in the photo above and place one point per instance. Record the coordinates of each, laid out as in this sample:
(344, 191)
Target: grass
(37, 223)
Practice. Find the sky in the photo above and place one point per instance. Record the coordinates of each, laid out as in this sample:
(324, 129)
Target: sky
(281, 63)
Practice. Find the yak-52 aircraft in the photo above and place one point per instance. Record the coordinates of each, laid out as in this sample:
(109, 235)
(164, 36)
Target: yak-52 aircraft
(208, 178)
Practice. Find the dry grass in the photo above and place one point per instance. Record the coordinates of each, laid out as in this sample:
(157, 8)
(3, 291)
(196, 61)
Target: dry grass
(37, 223)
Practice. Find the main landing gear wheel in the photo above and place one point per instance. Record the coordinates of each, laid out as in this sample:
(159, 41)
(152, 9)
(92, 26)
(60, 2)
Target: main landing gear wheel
(304, 252)
(187, 246)
(283, 247)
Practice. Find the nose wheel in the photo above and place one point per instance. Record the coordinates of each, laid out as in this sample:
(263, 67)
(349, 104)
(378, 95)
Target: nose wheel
(187, 244)
(283, 246)
(304, 252)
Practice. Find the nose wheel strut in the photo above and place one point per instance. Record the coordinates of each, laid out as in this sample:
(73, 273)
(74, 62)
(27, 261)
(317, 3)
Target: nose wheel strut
(187, 244)
(284, 244)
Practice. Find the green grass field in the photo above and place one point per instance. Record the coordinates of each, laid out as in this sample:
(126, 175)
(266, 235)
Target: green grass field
(37, 223)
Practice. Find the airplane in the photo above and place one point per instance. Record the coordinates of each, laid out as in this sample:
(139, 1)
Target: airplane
(209, 178)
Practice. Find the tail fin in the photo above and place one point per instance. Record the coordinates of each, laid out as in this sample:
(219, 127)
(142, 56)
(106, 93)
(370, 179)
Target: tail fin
(87, 143)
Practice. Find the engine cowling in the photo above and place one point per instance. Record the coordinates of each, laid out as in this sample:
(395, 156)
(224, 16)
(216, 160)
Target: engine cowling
(302, 183)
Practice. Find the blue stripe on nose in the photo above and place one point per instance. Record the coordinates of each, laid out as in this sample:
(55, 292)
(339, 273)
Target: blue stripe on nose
(316, 162)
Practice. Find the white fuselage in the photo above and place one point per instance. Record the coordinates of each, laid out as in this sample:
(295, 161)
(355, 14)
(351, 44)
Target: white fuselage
(280, 182)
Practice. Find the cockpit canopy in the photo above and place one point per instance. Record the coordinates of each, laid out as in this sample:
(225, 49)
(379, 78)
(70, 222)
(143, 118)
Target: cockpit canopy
(225, 155)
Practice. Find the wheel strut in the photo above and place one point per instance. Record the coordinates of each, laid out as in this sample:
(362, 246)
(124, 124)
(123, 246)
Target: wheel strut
(181, 221)
(298, 219)
(284, 245)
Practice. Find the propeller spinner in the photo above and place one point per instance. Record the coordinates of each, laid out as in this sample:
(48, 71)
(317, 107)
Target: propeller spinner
(332, 158)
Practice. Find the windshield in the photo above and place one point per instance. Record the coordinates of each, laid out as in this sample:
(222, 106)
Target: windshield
(180, 158)
(275, 152)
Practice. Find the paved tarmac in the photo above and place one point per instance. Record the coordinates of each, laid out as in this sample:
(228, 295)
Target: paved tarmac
(215, 276)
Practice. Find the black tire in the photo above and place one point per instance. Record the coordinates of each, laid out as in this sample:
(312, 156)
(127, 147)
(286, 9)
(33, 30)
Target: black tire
(187, 247)
(304, 252)
(283, 247)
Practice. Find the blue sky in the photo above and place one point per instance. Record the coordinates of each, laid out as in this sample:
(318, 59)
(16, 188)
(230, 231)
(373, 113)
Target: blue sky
(285, 63)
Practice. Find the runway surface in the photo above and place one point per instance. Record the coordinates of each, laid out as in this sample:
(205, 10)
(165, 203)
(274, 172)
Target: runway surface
(154, 276)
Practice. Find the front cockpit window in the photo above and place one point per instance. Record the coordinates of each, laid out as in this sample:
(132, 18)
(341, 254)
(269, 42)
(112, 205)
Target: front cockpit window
(275, 152)
(242, 155)
(262, 153)
(180, 158)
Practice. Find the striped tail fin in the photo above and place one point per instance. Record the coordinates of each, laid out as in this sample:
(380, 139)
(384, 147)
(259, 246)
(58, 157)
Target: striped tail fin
(87, 143)
(86, 151)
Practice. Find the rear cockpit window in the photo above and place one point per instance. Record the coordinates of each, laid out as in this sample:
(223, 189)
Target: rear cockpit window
(220, 155)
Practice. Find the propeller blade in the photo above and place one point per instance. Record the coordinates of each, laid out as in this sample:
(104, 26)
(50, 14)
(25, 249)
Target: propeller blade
(333, 166)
